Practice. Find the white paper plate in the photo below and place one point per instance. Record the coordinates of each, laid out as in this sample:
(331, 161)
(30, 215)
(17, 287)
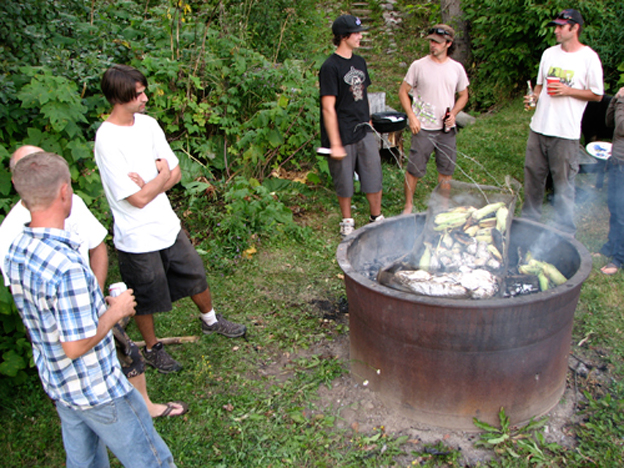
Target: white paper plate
(599, 149)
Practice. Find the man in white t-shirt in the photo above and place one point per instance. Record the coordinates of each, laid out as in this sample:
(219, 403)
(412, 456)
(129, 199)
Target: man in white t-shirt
(156, 258)
(433, 81)
(80, 222)
(573, 75)
(91, 234)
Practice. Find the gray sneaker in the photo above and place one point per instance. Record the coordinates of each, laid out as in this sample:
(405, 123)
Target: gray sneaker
(224, 327)
(160, 359)
(347, 226)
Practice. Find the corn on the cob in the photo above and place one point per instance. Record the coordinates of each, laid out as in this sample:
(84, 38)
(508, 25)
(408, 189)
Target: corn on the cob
(425, 258)
(484, 238)
(472, 230)
(543, 281)
(494, 251)
(450, 217)
(486, 210)
(501, 218)
(553, 274)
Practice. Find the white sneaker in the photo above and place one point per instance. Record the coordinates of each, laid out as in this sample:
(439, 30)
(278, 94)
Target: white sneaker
(377, 219)
(347, 226)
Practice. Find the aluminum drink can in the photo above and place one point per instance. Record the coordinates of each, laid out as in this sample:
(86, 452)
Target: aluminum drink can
(116, 289)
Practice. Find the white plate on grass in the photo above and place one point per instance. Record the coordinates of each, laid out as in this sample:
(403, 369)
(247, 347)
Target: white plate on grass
(599, 149)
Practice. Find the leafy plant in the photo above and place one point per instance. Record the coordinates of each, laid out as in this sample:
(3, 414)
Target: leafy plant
(15, 349)
(601, 433)
(520, 443)
(507, 55)
(376, 449)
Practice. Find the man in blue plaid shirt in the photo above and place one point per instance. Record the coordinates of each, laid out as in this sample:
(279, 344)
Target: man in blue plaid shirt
(62, 306)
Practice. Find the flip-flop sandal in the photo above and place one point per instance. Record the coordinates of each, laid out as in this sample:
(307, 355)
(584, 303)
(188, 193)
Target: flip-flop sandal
(170, 407)
(609, 269)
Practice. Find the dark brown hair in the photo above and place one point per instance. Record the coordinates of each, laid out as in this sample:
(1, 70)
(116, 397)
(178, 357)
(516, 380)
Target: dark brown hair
(337, 39)
(451, 48)
(119, 83)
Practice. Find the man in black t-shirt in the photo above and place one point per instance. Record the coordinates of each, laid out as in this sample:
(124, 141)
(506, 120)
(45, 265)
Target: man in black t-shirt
(345, 122)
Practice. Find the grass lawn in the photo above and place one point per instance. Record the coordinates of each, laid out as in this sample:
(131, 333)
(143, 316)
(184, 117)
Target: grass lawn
(262, 401)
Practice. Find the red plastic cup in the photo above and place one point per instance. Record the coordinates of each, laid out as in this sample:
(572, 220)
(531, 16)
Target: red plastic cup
(550, 80)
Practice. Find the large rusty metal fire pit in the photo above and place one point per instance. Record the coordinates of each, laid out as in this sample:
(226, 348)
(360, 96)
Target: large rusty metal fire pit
(445, 361)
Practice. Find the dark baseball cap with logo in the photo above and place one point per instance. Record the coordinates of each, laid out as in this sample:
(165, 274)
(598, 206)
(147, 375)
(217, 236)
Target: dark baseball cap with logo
(568, 16)
(347, 24)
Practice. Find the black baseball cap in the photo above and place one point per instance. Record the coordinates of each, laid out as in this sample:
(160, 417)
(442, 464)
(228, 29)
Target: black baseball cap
(347, 24)
(568, 16)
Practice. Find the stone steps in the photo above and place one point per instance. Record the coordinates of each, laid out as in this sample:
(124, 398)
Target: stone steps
(391, 20)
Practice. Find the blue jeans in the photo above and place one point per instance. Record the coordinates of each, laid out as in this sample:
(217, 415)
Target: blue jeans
(615, 201)
(123, 425)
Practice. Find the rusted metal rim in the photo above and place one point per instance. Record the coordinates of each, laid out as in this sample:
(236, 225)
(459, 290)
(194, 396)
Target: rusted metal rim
(581, 274)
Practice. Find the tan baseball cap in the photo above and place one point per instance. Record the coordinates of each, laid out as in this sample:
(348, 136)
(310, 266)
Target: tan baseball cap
(441, 33)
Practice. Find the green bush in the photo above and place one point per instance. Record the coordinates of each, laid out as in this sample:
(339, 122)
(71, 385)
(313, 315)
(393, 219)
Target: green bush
(508, 38)
(234, 103)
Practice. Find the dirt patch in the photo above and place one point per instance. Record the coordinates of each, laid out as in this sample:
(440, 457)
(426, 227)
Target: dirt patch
(360, 410)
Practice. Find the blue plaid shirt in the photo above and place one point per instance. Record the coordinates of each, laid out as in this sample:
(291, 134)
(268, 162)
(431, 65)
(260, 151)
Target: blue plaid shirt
(59, 300)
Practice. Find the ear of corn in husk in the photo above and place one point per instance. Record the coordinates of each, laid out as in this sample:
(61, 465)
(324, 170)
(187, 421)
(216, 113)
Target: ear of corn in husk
(494, 251)
(425, 258)
(486, 210)
(472, 230)
(501, 218)
(449, 217)
(553, 274)
(487, 223)
(546, 272)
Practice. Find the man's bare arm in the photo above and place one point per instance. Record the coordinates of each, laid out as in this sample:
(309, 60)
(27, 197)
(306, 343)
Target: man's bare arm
(560, 89)
(406, 103)
(161, 183)
(98, 260)
(120, 307)
(330, 119)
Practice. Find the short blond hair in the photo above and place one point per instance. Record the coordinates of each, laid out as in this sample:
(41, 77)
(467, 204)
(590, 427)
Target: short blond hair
(38, 178)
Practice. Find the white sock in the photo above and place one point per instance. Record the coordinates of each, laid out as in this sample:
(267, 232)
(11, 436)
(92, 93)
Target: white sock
(210, 318)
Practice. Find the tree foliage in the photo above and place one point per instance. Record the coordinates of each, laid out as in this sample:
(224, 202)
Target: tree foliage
(233, 85)
(509, 36)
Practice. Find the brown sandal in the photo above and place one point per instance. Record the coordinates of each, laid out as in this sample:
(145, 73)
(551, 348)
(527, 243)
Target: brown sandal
(170, 407)
(609, 269)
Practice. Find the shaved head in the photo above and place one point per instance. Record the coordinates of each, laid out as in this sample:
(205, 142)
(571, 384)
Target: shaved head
(21, 152)
(38, 178)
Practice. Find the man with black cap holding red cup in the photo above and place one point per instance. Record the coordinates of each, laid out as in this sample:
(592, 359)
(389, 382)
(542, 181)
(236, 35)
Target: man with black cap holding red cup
(573, 75)
(345, 122)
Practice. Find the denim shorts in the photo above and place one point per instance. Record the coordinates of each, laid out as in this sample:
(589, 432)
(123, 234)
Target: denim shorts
(162, 277)
(124, 425)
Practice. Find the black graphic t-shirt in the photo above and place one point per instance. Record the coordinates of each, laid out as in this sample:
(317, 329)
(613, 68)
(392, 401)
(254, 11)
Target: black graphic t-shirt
(347, 79)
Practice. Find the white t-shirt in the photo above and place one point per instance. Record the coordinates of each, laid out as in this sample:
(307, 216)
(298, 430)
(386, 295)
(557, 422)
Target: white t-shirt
(560, 116)
(120, 150)
(434, 86)
(80, 222)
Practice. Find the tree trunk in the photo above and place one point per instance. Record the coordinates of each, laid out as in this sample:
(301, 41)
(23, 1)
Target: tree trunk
(453, 15)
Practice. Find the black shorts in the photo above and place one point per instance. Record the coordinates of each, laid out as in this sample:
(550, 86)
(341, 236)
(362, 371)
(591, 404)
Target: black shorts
(162, 277)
